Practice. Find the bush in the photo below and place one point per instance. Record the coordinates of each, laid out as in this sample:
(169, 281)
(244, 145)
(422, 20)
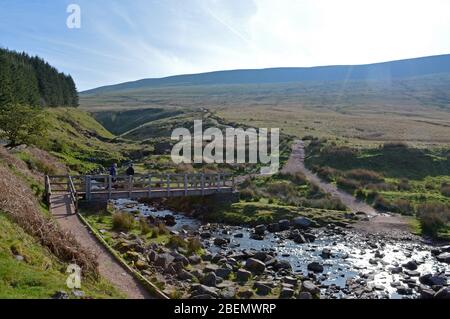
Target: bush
(297, 178)
(381, 203)
(403, 206)
(349, 185)
(194, 245)
(364, 175)
(433, 217)
(327, 173)
(445, 190)
(122, 221)
(404, 185)
(176, 242)
(145, 227)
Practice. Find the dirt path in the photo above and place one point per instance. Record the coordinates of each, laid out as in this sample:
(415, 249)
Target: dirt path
(109, 268)
(392, 225)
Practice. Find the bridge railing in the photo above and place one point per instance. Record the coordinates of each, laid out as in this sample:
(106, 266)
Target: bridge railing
(92, 184)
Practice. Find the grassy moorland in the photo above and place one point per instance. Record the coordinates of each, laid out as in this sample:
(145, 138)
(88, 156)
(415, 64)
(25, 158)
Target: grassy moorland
(393, 178)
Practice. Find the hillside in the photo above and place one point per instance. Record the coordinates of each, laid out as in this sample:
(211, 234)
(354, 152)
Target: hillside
(371, 72)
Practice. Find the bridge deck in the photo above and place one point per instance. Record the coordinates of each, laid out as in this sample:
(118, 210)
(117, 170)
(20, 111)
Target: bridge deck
(105, 187)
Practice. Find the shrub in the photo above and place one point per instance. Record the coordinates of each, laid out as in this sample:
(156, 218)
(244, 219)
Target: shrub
(348, 184)
(403, 206)
(247, 194)
(364, 175)
(433, 217)
(381, 187)
(445, 190)
(327, 173)
(404, 185)
(122, 221)
(297, 178)
(381, 203)
(145, 227)
(194, 245)
(176, 242)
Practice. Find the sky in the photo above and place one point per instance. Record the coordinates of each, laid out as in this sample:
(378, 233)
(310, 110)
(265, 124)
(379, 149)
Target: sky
(123, 41)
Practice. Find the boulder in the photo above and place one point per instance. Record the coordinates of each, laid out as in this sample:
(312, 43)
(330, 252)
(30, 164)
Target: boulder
(262, 289)
(444, 257)
(260, 255)
(443, 293)
(282, 264)
(185, 275)
(315, 267)
(220, 242)
(302, 222)
(286, 293)
(239, 235)
(245, 294)
(304, 295)
(210, 279)
(243, 275)
(284, 224)
(199, 290)
(310, 287)
(273, 228)
(195, 259)
(223, 272)
(260, 230)
(290, 280)
(205, 235)
(255, 266)
(164, 260)
(433, 280)
(326, 253)
(410, 265)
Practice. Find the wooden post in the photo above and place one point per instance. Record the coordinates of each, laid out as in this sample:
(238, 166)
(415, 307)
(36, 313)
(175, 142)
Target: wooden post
(185, 185)
(109, 187)
(130, 186)
(88, 187)
(168, 185)
(150, 186)
(203, 184)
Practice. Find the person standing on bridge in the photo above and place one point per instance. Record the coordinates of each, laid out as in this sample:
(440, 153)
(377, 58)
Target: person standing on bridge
(130, 170)
(113, 171)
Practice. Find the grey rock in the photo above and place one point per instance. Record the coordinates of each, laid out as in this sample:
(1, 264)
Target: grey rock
(210, 279)
(326, 253)
(410, 265)
(195, 259)
(243, 275)
(433, 280)
(60, 295)
(284, 224)
(262, 289)
(304, 295)
(255, 266)
(310, 287)
(286, 293)
(164, 260)
(444, 257)
(223, 272)
(315, 267)
(302, 222)
(185, 275)
(444, 293)
(260, 229)
(221, 241)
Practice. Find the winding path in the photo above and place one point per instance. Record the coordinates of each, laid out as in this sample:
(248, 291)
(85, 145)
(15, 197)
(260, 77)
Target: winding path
(378, 223)
(63, 211)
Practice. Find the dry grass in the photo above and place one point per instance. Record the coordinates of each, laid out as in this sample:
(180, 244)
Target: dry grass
(17, 200)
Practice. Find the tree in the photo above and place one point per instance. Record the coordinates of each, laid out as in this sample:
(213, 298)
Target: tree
(21, 124)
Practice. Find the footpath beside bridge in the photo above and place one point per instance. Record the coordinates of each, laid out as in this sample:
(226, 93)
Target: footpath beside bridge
(101, 188)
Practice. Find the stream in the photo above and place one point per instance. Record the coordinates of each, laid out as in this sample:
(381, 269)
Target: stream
(365, 259)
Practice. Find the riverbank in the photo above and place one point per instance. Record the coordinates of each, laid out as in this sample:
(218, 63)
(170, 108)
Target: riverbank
(188, 259)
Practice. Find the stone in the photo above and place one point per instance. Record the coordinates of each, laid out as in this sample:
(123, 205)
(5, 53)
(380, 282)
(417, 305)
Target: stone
(260, 230)
(326, 253)
(60, 295)
(243, 275)
(290, 280)
(78, 293)
(260, 255)
(404, 291)
(256, 236)
(410, 265)
(19, 258)
(262, 289)
(195, 259)
(444, 257)
(245, 294)
(239, 235)
(205, 235)
(396, 270)
(205, 290)
(210, 279)
(286, 293)
(221, 241)
(315, 267)
(302, 222)
(152, 256)
(164, 260)
(433, 280)
(255, 266)
(443, 293)
(141, 265)
(379, 254)
(273, 228)
(310, 287)
(427, 293)
(185, 275)
(228, 293)
(223, 272)
(282, 264)
(284, 224)
(304, 295)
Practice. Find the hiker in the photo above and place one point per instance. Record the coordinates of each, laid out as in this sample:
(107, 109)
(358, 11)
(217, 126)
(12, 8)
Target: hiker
(130, 170)
(113, 171)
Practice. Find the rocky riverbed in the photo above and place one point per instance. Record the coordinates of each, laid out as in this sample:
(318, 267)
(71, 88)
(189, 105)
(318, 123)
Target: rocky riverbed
(288, 259)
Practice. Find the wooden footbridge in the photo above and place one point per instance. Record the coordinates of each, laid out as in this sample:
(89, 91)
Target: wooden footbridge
(98, 188)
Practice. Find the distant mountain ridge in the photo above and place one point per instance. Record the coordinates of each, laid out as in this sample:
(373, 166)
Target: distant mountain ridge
(377, 71)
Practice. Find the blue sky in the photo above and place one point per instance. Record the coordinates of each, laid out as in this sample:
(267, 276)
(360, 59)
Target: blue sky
(129, 40)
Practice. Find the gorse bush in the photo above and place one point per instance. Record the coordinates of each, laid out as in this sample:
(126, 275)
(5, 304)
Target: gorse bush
(349, 185)
(122, 221)
(364, 175)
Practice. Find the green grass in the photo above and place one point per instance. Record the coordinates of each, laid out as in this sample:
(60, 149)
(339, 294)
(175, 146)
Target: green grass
(40, 275)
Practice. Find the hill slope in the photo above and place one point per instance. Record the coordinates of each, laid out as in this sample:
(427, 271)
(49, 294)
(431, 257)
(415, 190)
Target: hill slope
(370, 72)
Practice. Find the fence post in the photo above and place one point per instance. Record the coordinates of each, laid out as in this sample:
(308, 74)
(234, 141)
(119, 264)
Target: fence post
(109, 187)
(149, 186)
(168, 185)
(88, 187)
(130, 186)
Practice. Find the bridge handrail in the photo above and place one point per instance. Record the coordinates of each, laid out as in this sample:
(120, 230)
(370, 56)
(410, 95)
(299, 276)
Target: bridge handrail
(73, 193)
